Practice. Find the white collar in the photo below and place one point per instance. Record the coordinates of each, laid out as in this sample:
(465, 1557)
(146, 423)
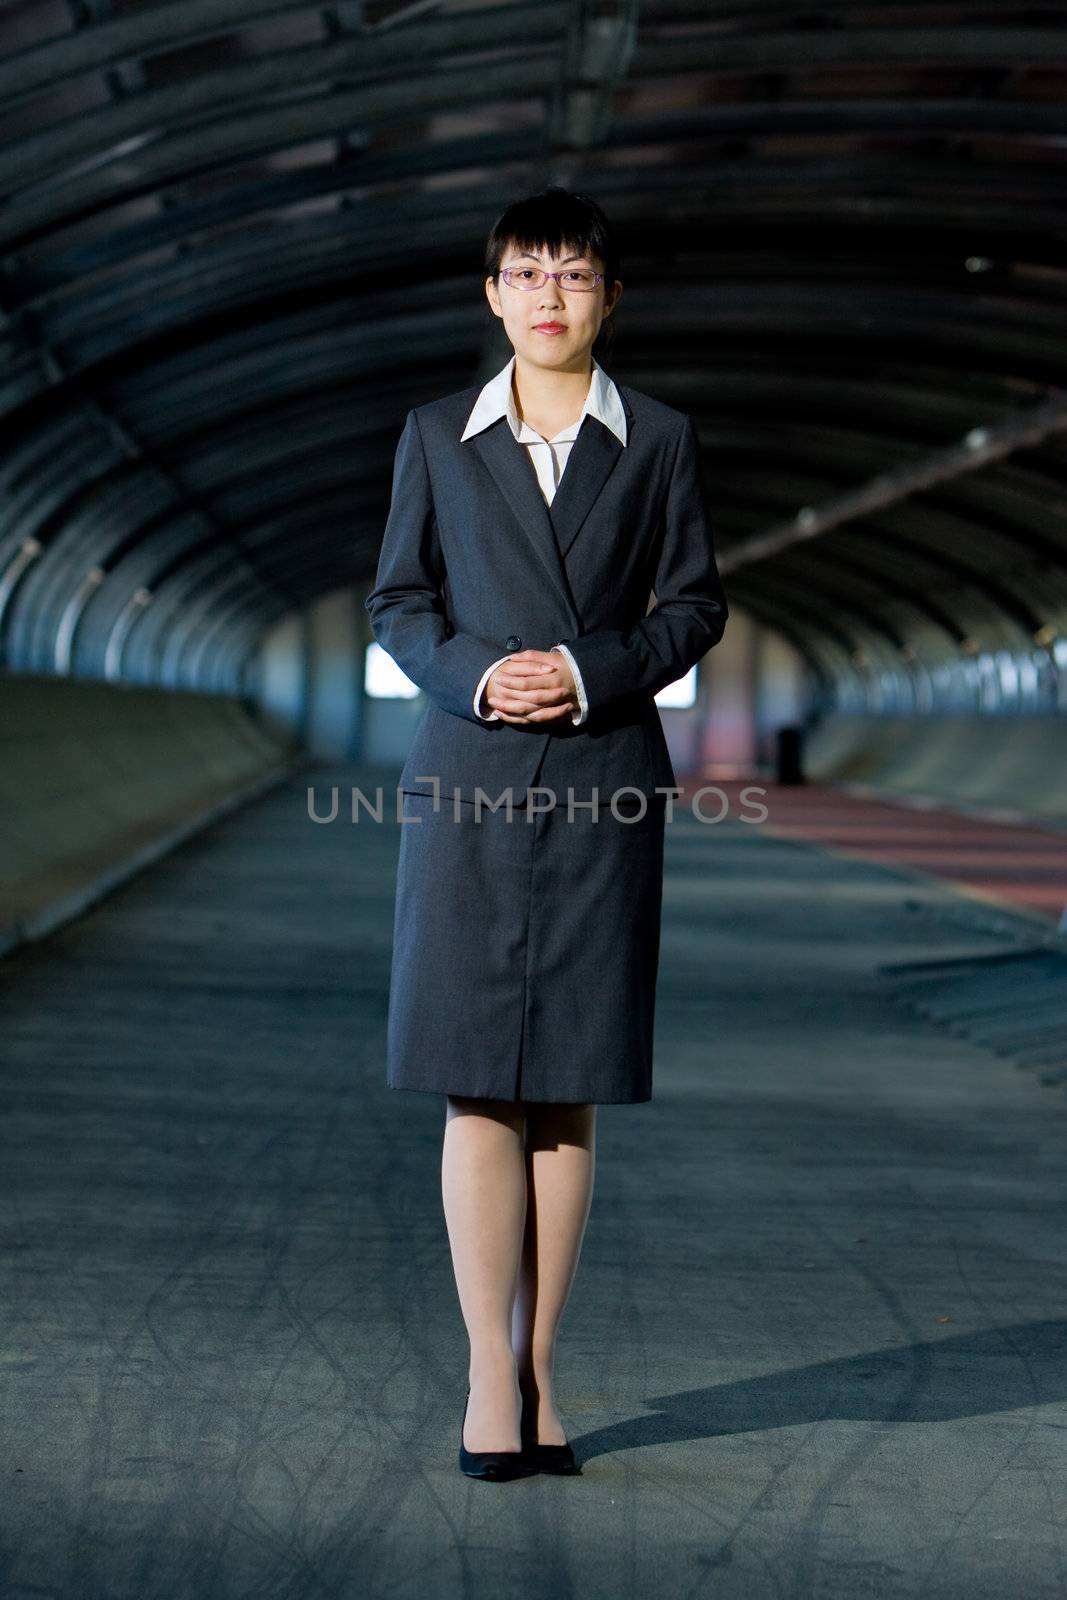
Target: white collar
(497, 400)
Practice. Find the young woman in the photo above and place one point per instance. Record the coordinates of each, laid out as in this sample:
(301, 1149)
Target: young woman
(531, 520)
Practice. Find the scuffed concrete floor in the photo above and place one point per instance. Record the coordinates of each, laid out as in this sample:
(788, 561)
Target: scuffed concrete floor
(817, 1345)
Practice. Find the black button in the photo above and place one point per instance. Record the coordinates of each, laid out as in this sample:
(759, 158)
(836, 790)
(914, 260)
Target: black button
(513, 642)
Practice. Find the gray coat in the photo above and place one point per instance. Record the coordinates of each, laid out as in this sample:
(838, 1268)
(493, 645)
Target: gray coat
(474, 563)
(526, 947)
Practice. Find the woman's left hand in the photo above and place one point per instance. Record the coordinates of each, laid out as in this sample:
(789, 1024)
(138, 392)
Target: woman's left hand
(533, 686)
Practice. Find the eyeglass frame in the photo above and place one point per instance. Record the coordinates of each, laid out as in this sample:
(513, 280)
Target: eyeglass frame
(598, 278)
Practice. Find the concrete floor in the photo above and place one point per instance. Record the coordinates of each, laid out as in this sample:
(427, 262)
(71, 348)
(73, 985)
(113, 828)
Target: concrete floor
(817, 1346)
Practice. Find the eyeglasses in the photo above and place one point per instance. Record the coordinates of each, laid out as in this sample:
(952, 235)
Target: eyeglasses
(580, 278)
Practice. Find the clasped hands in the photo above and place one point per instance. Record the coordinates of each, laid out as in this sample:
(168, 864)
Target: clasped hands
(532, 686)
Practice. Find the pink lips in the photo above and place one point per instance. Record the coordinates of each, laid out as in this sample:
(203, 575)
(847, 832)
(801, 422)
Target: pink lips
(549, 327)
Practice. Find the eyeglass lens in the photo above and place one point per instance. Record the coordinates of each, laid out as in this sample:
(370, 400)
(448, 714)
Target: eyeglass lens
(580, 278)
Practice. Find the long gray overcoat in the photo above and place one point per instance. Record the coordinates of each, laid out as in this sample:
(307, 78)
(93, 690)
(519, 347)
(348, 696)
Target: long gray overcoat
(526, 943)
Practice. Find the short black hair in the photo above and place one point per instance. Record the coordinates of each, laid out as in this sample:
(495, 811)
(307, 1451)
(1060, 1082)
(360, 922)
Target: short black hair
(550, 220)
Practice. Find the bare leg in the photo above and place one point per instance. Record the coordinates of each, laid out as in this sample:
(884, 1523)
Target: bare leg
(560, 1168)
(483, 1186)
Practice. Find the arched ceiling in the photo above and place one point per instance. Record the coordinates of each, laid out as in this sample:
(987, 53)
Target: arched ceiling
(240, 238)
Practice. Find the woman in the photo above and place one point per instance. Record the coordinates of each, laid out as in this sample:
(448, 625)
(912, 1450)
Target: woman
(530, 520)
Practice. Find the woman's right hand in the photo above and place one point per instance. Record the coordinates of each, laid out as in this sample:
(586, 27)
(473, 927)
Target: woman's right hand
(532, 686)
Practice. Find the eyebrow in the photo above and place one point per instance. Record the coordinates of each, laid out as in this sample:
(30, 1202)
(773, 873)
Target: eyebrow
(526, 256)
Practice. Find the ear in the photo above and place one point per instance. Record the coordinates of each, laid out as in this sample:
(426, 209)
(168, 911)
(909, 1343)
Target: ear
(493, 297)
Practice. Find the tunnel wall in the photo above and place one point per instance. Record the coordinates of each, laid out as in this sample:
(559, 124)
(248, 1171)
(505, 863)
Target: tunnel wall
(309, 673)
(1014, 764)
(99, 779)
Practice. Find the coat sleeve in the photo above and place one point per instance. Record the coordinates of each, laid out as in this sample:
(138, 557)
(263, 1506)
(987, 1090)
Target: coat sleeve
(407, 604)
(690, 613)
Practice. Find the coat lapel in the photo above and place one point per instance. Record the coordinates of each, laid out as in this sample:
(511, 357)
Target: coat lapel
(553, 529)
(593, 456)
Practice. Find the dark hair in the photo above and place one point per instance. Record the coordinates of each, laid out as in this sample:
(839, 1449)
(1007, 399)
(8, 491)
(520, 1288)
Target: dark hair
(548, 221)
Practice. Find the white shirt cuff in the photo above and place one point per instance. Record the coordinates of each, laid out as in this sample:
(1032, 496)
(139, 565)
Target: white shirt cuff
(491, 716)
(580, 715)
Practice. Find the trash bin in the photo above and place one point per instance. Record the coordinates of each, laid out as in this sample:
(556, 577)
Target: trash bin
(790, 754)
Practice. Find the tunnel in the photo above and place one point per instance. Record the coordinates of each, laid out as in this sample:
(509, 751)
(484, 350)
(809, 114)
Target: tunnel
(817, 1344)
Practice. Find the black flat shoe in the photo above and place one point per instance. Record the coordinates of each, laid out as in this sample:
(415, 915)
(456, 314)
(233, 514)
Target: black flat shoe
(557, 1458)
(549, 1457)
(495, 1465)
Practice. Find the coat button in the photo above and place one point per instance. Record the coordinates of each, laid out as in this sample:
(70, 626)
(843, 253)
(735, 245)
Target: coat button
(513, 642)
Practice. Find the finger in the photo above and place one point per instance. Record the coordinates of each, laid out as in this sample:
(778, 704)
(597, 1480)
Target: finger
(528, 688)
(525, 685)
(545, 714)
(512, 708)
(535, 700)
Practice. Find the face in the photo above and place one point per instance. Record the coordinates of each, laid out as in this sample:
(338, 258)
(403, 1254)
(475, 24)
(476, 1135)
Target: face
(578, 314)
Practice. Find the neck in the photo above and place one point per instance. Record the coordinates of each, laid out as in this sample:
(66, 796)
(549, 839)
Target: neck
(546, 390)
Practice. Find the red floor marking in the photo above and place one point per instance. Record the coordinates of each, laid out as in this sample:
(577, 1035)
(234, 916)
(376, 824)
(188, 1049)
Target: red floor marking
(1024, 866)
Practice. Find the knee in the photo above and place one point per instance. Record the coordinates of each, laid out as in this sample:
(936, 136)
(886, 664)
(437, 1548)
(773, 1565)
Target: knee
(568, 1120)
(507, 1112)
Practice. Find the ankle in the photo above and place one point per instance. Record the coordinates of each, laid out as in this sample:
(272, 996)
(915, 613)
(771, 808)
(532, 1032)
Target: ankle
(536, 1372)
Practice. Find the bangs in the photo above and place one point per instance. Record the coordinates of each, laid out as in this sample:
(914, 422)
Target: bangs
(552, 240)
(558, 222)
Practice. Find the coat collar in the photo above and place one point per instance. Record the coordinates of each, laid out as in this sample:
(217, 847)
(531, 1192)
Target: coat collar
(600, 435)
